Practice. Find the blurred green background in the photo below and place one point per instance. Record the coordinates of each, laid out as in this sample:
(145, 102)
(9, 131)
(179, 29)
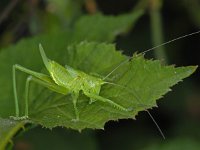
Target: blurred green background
(178, 113)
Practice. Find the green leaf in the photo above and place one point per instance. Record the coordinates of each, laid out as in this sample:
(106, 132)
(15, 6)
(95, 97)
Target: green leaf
(98, 26)
(26, 53)
(54, 43)
(145, 81)
(8, 128)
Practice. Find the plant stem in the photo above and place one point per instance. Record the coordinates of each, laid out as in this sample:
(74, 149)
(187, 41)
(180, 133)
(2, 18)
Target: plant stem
(156, 29)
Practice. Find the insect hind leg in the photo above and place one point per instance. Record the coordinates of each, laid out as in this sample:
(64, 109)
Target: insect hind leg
(40, 79)
(28, 80)
(102, 99)
(14, 68)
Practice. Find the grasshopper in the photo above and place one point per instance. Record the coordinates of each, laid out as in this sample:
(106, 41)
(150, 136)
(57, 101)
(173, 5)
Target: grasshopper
(64, 80)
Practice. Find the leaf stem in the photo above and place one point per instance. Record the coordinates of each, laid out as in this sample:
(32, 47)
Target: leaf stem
(156, 29)
(14, 126)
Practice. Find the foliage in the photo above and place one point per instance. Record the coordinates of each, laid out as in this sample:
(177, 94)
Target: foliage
(145, 81)
(55, 44)
(84, 46)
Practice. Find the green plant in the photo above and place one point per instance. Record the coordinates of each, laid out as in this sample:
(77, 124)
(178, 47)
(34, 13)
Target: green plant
(85, 47)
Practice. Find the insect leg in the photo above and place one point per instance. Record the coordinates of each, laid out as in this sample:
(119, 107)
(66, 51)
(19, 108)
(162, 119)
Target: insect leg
(15, 92)
(74, 99)
(28, 80)
(41, 79)
(97, 97)
(18, 67)
(53, 87)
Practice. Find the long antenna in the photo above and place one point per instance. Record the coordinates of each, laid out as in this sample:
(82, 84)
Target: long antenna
(170, 41)
(154, 121)
(136, 97)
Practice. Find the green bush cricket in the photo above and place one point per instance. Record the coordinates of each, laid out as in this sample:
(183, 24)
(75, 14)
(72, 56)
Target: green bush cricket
(63, 80)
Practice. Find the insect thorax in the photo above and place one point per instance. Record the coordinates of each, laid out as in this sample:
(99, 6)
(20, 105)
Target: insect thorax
(92, 84)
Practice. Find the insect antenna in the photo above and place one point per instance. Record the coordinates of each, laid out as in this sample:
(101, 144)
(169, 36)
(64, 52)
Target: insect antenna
(136, 97)
(170, 41)
(148, 50)
(122, 63)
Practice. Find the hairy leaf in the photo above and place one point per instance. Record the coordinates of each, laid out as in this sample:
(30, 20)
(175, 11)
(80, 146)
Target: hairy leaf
(26, 53)
(139, 82)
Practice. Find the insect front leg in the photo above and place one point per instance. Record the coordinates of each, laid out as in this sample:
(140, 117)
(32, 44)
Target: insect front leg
(75, 96)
